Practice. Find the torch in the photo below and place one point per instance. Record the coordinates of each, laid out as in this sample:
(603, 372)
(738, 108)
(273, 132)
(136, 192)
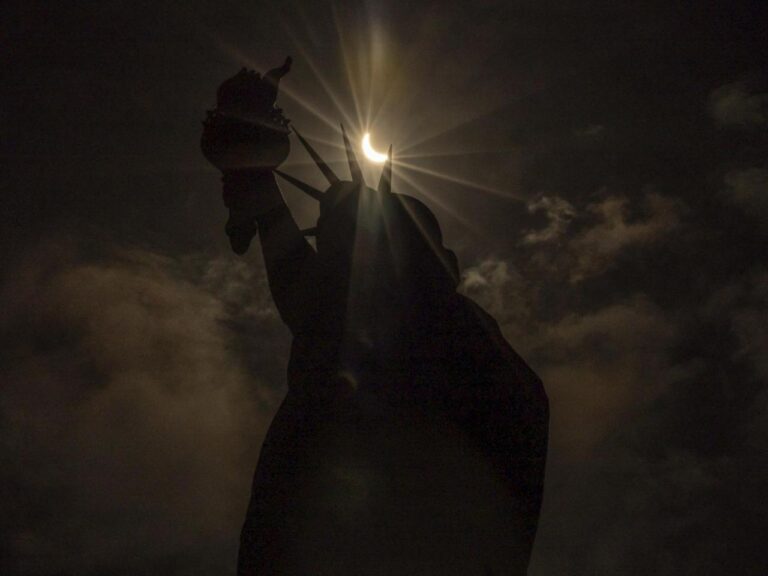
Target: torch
(246, 137)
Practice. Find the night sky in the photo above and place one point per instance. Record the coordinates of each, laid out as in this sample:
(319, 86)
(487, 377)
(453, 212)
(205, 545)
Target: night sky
(600, 168)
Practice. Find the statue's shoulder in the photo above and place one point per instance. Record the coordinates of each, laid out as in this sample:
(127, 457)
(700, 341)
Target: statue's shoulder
(477, 325)
(477, 314)
(486, 343)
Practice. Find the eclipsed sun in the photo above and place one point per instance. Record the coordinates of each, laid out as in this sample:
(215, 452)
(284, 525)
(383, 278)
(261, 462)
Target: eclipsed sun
(369, 151)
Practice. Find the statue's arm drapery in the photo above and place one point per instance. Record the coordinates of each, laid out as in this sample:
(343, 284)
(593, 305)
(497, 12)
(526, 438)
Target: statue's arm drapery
(517, 422)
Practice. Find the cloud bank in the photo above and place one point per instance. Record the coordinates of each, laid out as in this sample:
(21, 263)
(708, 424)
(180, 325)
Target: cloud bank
(130, 422)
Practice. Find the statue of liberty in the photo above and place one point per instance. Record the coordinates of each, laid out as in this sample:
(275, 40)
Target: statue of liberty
(412, 439)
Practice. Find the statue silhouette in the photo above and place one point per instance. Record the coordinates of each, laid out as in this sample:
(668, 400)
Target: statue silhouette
(412, 438)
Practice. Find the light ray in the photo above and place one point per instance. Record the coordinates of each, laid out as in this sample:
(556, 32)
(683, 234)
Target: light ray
(385, 180)
(340, 27)
(454, 153)
(242, 59)
(330, 92)
(329, 174)
(524, 93)
(354, 165)
(437, 249)
(456, 180)
(469, 225)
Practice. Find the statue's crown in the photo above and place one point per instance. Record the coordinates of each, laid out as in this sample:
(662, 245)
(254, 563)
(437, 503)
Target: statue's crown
(351, 203)
(340, 191)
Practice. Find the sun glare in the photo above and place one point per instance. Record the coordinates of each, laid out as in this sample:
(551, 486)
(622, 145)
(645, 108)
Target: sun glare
(370, 153)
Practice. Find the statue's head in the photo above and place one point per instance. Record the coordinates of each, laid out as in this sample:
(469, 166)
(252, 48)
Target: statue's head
(387, 241)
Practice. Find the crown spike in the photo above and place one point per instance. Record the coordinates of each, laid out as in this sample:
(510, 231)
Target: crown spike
(385, 183)
(324, 168)
(310, 231)
(354, 167)
(306, 188)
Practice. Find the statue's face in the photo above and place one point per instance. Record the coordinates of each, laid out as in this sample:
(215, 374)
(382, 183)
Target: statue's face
(337, 224)
(364, 234)
(351, 236)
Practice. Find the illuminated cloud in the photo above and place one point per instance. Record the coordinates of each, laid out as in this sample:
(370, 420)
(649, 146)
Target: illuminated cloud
(733, 105)
(748, 189)
(559, 213)
(130, 420)
(596, 248)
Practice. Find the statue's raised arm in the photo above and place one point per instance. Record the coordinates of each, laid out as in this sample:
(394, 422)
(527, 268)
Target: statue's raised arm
(246, 137)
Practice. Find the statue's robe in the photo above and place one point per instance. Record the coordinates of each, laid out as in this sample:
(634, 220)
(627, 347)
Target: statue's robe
(412, 438)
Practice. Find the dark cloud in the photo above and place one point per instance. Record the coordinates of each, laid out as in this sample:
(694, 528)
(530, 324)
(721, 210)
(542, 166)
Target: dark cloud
(131, 424)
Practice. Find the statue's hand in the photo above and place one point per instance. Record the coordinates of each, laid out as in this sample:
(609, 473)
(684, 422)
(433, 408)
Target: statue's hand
(246, 131)
(245, 137)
